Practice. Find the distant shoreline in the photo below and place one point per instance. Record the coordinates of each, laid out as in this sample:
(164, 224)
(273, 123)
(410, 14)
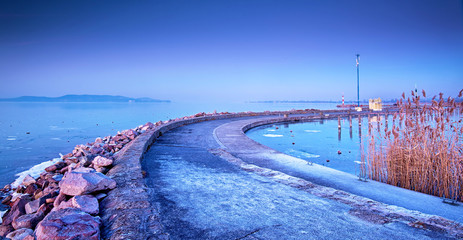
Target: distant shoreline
(81, 99)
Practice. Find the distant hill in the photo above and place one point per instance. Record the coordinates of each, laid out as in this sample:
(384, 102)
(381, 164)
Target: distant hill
(80, 98)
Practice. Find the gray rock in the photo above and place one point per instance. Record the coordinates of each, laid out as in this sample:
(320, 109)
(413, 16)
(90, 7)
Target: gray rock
(68, 223)
(84, 181)
(102, 161)
(100, 196)
(58, 177)
(21, 234)
(33, 206)
(86, 203)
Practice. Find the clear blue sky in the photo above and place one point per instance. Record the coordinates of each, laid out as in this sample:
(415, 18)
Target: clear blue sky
(237, 50)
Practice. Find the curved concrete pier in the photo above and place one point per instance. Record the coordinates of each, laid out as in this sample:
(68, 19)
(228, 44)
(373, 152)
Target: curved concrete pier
(196, 182)
(233, 139)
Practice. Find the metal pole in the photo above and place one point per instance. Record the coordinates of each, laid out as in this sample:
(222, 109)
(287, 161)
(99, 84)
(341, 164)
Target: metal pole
(358, 89)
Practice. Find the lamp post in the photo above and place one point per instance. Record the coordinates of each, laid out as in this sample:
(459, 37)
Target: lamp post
(358, 94)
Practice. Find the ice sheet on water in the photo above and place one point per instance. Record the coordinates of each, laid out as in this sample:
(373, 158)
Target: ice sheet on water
(312, 131)
(273, 135)
(33, 171)
(11, 138)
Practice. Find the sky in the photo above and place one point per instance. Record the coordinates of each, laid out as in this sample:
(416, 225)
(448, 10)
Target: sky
(231, 51)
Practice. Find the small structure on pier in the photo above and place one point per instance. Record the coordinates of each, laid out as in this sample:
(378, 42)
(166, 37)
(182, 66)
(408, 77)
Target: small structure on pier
(375, 104)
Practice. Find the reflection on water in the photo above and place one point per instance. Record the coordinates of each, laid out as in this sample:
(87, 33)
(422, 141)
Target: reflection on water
(320, 141)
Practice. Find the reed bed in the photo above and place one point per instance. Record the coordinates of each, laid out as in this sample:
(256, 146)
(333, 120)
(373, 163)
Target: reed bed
(421, 149)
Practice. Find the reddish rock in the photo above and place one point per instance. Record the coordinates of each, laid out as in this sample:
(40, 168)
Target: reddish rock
(63, 205)
(56, 166)
(50, 200)
(102, 161)
(30, 189)
(27, 221)
(6, 188)
(61, 198)
(20, 189)
(5, 229)
(37, 194)
(96, 150)
(68, 223)
(7, 200)
(65, 169)
(85, 180)
(16, 210)
(85, 203)
(45, 208)
(28, 180)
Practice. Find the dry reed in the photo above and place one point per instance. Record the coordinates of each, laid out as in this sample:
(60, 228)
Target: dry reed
(422, 150)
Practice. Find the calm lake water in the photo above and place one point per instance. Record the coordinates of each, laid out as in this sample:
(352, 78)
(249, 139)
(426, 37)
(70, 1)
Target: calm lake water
(317, 142)
(57, 127)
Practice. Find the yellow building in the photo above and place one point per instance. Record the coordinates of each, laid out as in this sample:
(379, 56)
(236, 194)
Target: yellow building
(376, 104)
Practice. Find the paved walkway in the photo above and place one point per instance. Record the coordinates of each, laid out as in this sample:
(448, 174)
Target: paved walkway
(203, 196)
(232, 139)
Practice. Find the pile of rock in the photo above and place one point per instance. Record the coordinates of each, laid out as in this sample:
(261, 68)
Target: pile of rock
(63, 202)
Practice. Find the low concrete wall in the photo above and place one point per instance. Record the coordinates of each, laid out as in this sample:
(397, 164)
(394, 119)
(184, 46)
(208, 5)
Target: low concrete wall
(127, 212)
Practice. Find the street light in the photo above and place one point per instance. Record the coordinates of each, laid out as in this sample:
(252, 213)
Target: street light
(358, 94)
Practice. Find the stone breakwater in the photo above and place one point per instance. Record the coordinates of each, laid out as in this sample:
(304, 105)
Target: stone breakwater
(64, 201)
(97, 190)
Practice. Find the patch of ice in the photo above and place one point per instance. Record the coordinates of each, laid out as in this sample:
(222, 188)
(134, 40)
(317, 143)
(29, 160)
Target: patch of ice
(34, 171)
(273, 135)
(271, 130)
(1, 215)
(11, 139)
(57, 139)
(312, 131)
(358, 162)
(298, 153)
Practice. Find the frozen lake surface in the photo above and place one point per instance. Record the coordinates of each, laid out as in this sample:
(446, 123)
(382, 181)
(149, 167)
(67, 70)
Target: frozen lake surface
(317, 141)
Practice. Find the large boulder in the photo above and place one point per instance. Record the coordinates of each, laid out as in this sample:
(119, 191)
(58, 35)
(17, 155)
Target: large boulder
(33, 206)
(28, 180)
(100, 161)
(27, 221)
(21, 234)
(68, 223)
(84, 181)
(86, 203)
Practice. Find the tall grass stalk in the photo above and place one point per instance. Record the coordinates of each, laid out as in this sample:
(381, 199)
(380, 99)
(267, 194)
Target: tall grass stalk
(422, 150)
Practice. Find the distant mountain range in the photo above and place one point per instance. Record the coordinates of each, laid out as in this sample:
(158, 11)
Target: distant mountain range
(80, 98)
